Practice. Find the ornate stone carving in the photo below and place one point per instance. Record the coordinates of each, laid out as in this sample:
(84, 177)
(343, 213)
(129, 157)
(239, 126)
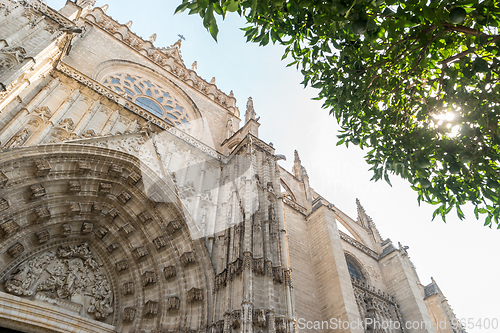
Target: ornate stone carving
(42, 168)
(112, 214)
(96, 207)
(37, 191)
(280, 324)
(115, 170)
(87, 227)
(358, 245)
(75, 208)
(67, 124)
(188, 258)
(144, 217)
(173, 226)
(133, 178)
(74, 186)
(236, 319)
(160, 242)
(129, 314)
(259, 317)
(124, 197)
(128, 288)
(83, 167)
(9, 228)
(112, 247)
(42, 214)
(151, 308)
(140, 252)
(101, 232)
(43, 236)
(278, 274)
(70, 273)
(128, 229)
(122, 265)
(15, 250)
(195, 295)
(3, 180)
(169, 272)
(4, 204)
(173, 303)
(258, 266)
(148, 278)
(287, 275)
(66, 230)
(105, 188)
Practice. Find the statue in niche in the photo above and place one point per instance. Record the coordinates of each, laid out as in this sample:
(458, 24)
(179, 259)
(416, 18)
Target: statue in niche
(229, 128)
(70, 274)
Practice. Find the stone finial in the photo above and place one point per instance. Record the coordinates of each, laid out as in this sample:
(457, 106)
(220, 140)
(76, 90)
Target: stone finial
(178, 44)
(129, 24)
(231, 94)
(152, 39)
(213, 80)
(85, 3)
(105, 8)
(194, 66)
(250, 112)
(297, 158)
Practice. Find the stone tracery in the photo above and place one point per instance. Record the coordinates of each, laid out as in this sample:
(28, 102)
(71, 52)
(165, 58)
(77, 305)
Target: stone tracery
(150, 96)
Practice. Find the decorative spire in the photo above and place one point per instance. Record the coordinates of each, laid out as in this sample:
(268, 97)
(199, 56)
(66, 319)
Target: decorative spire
(297, 158)
(367, 222)
(105, 8)
(152, 39)
(250, 112)
(298, 169)
(213, 80)
(129, 24)
(194, 66)
(231, 94)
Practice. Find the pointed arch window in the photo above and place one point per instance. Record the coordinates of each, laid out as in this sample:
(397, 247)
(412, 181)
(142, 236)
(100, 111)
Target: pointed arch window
(354, 268)
(150, 96)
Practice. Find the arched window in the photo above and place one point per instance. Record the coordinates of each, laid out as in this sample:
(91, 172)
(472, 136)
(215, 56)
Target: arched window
(354, 268)
(151, 96)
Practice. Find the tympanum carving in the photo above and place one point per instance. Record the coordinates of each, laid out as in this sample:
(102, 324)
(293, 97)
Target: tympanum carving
(70, 274)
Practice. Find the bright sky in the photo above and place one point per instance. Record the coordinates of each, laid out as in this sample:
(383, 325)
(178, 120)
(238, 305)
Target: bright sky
(460, 255)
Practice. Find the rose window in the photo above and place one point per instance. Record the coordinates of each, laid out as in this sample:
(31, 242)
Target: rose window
(151, 97)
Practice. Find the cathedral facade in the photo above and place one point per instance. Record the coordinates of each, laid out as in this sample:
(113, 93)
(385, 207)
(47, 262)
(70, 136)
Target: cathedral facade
(134, 197)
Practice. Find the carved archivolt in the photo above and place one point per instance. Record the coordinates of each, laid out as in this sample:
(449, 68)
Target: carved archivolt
(69, 277)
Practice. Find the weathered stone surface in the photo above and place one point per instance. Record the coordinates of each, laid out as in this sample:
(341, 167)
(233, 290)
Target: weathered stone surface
(101, 232)
(195, 295)
(173, 303)
(128, 288)
(133, 178)
(37, 191)
(66, 230)
(151, 308)
(129, 314)
(173, 226)
(169, 272)
(144, 217)
(140, 252)
(75, 208)
(188, 258)
(160, 242)
(43, 236)
(113, 247)
(115, 170)
(74, 186)
(15, 250)
(3, 180)
(149, 278)
(105, 188)
(42, 168)
(83, 167)
(87, 227)
(122, 265)
(9, 228)
(42, 214)
(4, 204)
(124, 197)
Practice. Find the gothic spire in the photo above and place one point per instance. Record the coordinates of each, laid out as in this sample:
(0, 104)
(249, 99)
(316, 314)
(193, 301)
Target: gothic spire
(366, 221)
(105, 8)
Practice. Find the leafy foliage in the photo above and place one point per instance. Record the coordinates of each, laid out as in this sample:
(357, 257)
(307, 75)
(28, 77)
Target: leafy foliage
(415, 81)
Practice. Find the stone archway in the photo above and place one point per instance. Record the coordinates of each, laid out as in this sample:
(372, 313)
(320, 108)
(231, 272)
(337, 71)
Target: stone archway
(84, 243)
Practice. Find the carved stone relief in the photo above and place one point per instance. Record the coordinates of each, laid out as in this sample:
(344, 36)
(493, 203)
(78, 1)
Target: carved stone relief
(69, 277)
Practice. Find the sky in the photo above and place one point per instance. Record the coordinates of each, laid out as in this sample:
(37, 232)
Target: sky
(460, 255)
